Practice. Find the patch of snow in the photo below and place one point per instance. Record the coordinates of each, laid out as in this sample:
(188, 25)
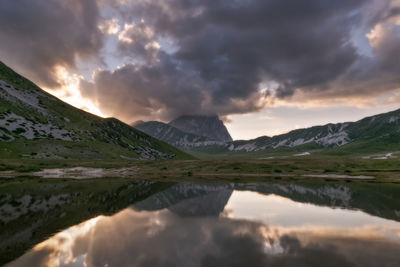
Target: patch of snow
(289, 143)
(333, 137)
(297, 142)
(302, 154)
(281, 143)
(339, 138)
(381, 156)
(247, 147)
(310, 140)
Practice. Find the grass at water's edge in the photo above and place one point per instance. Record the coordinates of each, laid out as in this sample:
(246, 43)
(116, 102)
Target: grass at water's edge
(290, 169)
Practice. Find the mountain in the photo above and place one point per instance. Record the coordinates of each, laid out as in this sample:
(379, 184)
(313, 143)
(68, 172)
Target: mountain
(188, 132)
(208, 126)
(174, 136)
(186, 199)
(189, 199)
(35, 124)
(375, 134)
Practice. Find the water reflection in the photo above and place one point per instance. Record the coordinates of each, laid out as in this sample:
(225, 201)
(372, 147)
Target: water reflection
(219, 225)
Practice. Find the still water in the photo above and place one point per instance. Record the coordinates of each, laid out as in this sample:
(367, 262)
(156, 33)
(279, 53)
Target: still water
(235, 225)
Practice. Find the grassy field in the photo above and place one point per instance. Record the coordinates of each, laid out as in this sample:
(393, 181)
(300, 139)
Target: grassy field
(291, 169)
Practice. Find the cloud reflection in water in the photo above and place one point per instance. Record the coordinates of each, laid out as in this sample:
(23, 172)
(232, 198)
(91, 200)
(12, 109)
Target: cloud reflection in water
(169, 236)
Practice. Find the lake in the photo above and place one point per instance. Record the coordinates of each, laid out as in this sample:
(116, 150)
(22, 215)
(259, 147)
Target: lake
(189, 224)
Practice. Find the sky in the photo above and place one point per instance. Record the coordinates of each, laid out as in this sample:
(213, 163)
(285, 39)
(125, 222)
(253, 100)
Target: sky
(264, 66)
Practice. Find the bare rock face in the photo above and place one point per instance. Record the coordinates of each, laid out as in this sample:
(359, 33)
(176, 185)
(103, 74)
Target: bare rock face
(208, 126)
(174, 136)
(187, 199)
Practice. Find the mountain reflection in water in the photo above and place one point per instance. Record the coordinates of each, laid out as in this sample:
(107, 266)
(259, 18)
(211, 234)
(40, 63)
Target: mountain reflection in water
(227, 225)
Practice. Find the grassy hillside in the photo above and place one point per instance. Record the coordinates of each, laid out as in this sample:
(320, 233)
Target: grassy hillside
(376, 135)
(35, 124)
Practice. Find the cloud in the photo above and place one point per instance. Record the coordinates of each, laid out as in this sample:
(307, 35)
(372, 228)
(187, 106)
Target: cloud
(214, 56)
(37, 36)
(138, 41)
(110, 26)
(209, 57)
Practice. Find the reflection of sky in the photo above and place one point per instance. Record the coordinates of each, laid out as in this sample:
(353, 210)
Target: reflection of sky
(253, 230)
(283, 212)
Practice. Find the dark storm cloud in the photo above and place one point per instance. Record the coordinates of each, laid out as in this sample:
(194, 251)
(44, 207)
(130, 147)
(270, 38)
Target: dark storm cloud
(37, 35)
(223, 51)
(291, 42)
(151, 91)
(209, 56)
(370, 75)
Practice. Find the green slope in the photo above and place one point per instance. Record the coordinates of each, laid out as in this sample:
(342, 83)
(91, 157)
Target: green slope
(35, 124)
(372, 135)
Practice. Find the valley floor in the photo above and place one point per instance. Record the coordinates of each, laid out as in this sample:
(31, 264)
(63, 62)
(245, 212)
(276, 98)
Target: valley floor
(335, 169)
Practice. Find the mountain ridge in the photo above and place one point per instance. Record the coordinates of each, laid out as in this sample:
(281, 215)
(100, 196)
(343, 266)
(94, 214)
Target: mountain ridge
(336, 134)
(381, 130)
(35, 124)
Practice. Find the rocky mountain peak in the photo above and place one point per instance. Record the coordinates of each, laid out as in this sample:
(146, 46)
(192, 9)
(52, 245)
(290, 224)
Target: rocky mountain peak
(135, 123)
(202, 125)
